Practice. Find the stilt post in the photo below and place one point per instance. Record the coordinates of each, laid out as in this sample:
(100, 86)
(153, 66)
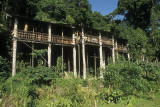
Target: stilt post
(116, 48)
(101, 56)
(83, 54)
(14, 50)
(128, 52)
(49, 45)
(74, 54)
(113, 49)
(62, 53)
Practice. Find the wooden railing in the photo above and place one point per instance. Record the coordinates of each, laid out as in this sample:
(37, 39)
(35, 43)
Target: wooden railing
(64, 40)
(107, 41)
(33, 36)
(92, 39)
(42, 37)
(122, 48)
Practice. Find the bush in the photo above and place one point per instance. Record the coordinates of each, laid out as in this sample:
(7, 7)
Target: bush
(126, 76)
(5, 69)
(24, 84)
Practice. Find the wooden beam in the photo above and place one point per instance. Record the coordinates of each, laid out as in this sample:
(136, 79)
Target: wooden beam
(14, 50)
(83, 54)
(49, 46)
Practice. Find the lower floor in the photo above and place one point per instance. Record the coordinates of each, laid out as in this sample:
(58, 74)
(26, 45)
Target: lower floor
(78, 59)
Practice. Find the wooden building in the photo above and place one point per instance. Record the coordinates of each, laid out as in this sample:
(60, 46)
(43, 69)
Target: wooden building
(80, 47)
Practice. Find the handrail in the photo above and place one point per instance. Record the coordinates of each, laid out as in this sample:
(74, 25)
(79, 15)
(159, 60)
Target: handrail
(42, 37)
(121, 48)
(92, 39)
(107, 41)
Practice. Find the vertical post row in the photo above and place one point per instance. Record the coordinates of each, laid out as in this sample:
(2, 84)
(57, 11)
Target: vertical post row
(113, 49)
(14, 51)
(74, 55)
(49, 46)
(83, 54)
(101, 56)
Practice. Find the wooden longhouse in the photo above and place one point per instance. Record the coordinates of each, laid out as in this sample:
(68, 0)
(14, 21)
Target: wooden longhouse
(80, 47)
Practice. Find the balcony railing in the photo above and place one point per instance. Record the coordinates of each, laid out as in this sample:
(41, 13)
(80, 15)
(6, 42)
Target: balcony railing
(107, 41)
(92, 39)
(42, 37)
(122, 48)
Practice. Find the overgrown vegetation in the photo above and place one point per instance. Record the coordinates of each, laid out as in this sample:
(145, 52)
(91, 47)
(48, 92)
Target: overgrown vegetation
(126, 83)
(123, 81)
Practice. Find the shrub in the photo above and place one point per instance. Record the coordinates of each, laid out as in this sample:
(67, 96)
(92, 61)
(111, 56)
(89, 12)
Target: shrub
(24, 84)
(126, 76)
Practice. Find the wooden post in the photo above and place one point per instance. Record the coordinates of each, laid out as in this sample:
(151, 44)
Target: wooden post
(95, 65)
(128, 52)
(74, 55)
(83, 54)
(62, 53)
(79, 61)
(49, 46)
(101, 56)
(104, 57)
(68, 62)
(14, 51)
(87, 61)
(116, 48)
(113, 49)
(33, 49)
(32, 55)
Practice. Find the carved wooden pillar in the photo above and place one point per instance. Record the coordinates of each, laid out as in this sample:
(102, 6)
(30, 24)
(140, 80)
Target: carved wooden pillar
(101, 56)
(74, 55)
(49, 46)
(113, 49)
(14, 51)
(83, 54)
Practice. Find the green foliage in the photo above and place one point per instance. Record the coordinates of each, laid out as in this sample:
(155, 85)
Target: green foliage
(39, 55)
(24, 84)
(5, 69)
(137, 40)
(126, 76)
(110, 95)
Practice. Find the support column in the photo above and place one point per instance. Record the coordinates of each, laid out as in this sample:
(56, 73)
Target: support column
(128, 52)
(14, 50)
(74, 55)
(113, 49)
(32, 55)
(101, 56)
(62, 53)
(49, 46)
(104, 57)
(83, 54)
(79, 61)
(116, 48)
